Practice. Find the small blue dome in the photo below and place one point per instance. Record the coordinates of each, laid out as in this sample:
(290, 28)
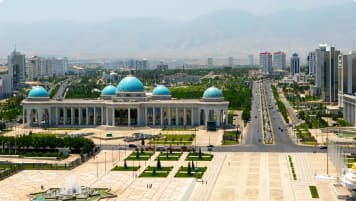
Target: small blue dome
(212, 92)
(38, 91)
(295, 55)
(108, 91)
(130, 84)
(161, 90)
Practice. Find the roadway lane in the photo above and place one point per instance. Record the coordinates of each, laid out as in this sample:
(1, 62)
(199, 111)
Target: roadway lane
(253, 138)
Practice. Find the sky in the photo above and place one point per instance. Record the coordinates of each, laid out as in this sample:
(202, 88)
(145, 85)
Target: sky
(100, 10)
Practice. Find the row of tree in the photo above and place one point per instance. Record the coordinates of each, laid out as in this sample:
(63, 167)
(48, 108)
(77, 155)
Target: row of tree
(39, 142)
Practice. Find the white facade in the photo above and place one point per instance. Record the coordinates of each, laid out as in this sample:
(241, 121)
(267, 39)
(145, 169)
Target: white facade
(266, 62)
(5, 86)
(349, 108)
(279, 60)
(40, 67)
(210, 62)
(346, 75)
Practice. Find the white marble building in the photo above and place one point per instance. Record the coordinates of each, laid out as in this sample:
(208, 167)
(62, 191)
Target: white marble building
(126, 105)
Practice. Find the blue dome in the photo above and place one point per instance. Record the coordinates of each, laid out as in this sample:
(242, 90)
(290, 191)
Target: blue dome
(130, 84)
(212, 92)
(295, 55)
(161, 90)
(38, 91)
(108, 91)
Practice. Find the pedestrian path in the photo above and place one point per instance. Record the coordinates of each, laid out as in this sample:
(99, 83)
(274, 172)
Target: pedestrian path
(203, 189)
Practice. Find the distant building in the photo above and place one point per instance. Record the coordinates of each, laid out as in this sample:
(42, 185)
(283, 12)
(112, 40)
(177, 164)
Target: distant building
(181, 78)
(162, 66)
(279, 60)
(17, 70)
(346, 75)
(326, 78)
(41, 67)
(5, 86)
(311, 63)
(230, 61)
(251, 60)
(210, 62)
(266, 62)
(294, 64)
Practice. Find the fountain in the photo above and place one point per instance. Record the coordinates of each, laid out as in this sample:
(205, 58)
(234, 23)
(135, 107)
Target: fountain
(71, 190)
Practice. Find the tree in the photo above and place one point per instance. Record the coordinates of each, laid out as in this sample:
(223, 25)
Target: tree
(2, 126)
(125, 164)
(199, 153)
(193, 167)
(167, 155)
(154, 170)
(141, 150)
(189, 169)
(137, 153)
(159, 164)
(170, 149)
(143, 142)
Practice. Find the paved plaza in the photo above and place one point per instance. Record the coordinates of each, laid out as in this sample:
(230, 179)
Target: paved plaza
(242, 176)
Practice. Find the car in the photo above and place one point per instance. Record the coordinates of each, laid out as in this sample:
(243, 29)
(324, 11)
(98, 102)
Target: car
(323, 147)
(161, 148)
(132, 145)
(210, 145)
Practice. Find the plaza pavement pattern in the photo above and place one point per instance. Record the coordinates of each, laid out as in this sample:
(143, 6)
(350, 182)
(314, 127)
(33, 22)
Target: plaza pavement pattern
(230, 176)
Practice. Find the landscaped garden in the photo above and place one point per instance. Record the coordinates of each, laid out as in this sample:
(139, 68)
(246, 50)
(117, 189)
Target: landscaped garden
(140, 155)
(191, 171)
(231, 137)
(172, 139)
(304, 135)
(169, 156)
(125, 167)
(157, 171)
(199, 156)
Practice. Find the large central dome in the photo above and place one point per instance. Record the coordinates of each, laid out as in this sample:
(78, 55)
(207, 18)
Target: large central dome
(130, 84)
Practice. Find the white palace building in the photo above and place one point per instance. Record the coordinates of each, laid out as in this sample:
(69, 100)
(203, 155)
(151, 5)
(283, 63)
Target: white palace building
(126, 105)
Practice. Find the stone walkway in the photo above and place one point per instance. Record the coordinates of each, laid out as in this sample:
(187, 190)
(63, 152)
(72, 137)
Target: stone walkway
(230, 176)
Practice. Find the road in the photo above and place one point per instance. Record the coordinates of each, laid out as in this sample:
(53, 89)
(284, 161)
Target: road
(61, 90)
(253, 138)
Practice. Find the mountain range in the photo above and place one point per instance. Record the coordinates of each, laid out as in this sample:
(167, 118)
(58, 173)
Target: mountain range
(228, 32)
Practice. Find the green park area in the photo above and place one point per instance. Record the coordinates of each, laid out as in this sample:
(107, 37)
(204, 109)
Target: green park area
(281, 107)
(125, 167)
(191, 171)
(231, 138)
(169, 156)
(173, 139)
(140, 155)
(199, 156)
(303, 135)
(157, 171)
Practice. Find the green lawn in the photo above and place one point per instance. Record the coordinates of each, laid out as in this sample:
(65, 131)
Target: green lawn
(194, 156)
(163, 172)
(349, 162)
(314, 191)
(173, 139)
(229, 138)
(122, 168)
(171, 157)
(196, 172)
(142, 156)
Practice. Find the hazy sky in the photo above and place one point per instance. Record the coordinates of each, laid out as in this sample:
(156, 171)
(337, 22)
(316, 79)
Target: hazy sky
(87, 10)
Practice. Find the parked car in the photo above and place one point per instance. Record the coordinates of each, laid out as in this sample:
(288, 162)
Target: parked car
(161, 148)
(132, 145)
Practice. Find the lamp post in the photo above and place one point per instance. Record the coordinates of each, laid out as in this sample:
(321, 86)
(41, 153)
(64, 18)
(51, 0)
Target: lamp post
(327, 151)
(105, 161)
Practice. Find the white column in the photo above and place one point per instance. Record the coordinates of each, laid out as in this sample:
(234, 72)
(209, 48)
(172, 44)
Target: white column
(80, 113)
(94, 115)
(217, 117)
(161, 117)
(192, 116)
(154, 116)
(113, 116)
(169, 116)
(107, 115)
(185, 117)
(206, 115)
(57, 116)
(177, 120)
(64, 116)
(72, 115)
(87, 115)
(28, 114)
(129, 116)
(226, 117)
(146, 117)
(102, 115)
